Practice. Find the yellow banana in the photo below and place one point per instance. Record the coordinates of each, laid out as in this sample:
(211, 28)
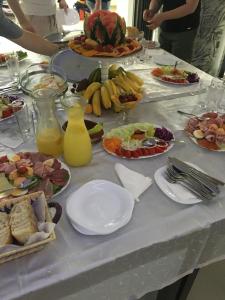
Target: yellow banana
(105, 97)
(96, 105)
(134, 78)
(107, 85)
(121, 83)
(91, 90)
(114, 88)
(136, 87)
(115, 100)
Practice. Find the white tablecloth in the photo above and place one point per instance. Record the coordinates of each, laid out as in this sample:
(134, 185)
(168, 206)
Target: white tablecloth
(163, 242)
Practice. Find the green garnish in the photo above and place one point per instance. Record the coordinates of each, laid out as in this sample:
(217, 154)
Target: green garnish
(98, 127)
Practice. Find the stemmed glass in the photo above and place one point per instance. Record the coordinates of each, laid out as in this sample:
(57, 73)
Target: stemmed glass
(125, 108)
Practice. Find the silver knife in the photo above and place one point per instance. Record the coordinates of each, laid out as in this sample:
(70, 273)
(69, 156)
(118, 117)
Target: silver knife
(188, 169)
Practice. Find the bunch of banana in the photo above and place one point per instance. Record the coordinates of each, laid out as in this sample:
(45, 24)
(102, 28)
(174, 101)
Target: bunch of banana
(95, 76)
(108, 94)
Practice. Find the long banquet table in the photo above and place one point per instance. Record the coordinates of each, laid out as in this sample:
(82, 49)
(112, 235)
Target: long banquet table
(163, 242)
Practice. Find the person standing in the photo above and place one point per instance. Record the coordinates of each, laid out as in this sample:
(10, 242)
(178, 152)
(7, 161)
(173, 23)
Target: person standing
(98, 4)
(178, 22)
(24, 36)
(42, 14)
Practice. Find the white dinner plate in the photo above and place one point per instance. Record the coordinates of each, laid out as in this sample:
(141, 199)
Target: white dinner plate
(165, 60)
(100, 207)
(75, 66)
(83, 230)
(174, 83)
(175, 191)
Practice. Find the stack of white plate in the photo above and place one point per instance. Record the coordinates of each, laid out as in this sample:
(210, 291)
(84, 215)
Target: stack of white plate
(99, 207)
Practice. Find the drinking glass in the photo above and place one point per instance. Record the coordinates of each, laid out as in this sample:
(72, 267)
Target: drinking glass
(215, 94)
(12, 63)
(25, 122)
(125, 109)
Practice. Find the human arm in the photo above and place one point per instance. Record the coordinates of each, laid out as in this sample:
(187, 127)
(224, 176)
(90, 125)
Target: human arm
(24, 23)
(154, 7)
(186, 9)
(36, 43)
(97, 5)
(63, 5)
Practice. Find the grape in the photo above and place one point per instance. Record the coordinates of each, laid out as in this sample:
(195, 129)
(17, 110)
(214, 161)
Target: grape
(163, 133)
(192, 77)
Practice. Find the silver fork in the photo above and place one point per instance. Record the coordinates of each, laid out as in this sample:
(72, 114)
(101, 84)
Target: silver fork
(172, 178)
(183, 176)
(208, 188)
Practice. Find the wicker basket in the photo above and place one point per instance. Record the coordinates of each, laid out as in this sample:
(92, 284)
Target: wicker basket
(25, 250)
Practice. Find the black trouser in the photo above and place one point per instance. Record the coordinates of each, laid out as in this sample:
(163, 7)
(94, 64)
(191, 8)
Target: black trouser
(179, 44)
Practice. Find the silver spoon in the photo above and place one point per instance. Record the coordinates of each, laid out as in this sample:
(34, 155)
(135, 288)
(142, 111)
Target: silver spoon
(191, 115)
(151, 142)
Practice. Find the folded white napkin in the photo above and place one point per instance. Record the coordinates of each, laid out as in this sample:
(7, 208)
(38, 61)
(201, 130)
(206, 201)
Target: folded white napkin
(134, 182)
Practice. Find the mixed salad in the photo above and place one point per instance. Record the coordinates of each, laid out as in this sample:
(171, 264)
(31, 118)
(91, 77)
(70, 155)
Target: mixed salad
(138, 140)
(175, 75)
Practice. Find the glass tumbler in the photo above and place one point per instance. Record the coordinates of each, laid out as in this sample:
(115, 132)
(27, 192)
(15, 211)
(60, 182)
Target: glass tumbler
(12, 64)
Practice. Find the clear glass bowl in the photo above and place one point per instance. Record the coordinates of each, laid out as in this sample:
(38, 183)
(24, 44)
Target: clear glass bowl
(42, 76)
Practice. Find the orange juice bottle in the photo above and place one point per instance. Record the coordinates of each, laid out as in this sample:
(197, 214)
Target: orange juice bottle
(49, 136)
(77, 143)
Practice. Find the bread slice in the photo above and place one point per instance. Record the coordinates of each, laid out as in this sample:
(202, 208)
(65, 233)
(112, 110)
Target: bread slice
(23, 221)
(5, 233)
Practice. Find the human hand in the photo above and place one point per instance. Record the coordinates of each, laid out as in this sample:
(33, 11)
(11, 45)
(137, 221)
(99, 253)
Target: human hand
(26, 25)
(148, 14)
(63, 5)
(156, 21)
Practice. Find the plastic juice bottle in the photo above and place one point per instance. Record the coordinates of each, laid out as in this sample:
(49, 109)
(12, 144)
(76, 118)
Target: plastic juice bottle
(77, 143)
(50, 141)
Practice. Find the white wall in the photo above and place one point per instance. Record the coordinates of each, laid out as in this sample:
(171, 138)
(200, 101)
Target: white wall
(125, 8)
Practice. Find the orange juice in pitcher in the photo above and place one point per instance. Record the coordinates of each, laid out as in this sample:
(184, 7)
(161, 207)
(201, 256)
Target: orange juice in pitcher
(49, 136)
(77, 143)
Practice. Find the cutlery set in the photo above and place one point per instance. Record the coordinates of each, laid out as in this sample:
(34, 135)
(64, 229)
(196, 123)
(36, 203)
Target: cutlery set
(199, 183)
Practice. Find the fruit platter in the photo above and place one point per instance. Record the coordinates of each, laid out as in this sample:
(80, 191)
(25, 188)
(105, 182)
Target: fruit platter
(122, 88)
(208, 131)
(175, 75)
(8, 104)
(28, 172)
(138, 140)
(3, 57)
(104, 36)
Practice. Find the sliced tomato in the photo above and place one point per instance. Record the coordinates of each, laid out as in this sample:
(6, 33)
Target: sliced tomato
(159, 149)
(119, 152)
(127, 153)
(151, 151)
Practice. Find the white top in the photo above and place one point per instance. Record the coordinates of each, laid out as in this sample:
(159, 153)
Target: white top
(38, 7)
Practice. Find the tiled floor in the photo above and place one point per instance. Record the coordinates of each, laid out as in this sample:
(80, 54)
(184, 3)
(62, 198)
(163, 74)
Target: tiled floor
(210, 283)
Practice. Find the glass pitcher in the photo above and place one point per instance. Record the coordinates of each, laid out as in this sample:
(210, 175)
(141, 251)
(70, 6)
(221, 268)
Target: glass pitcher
(77, 143)
(49, 136)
